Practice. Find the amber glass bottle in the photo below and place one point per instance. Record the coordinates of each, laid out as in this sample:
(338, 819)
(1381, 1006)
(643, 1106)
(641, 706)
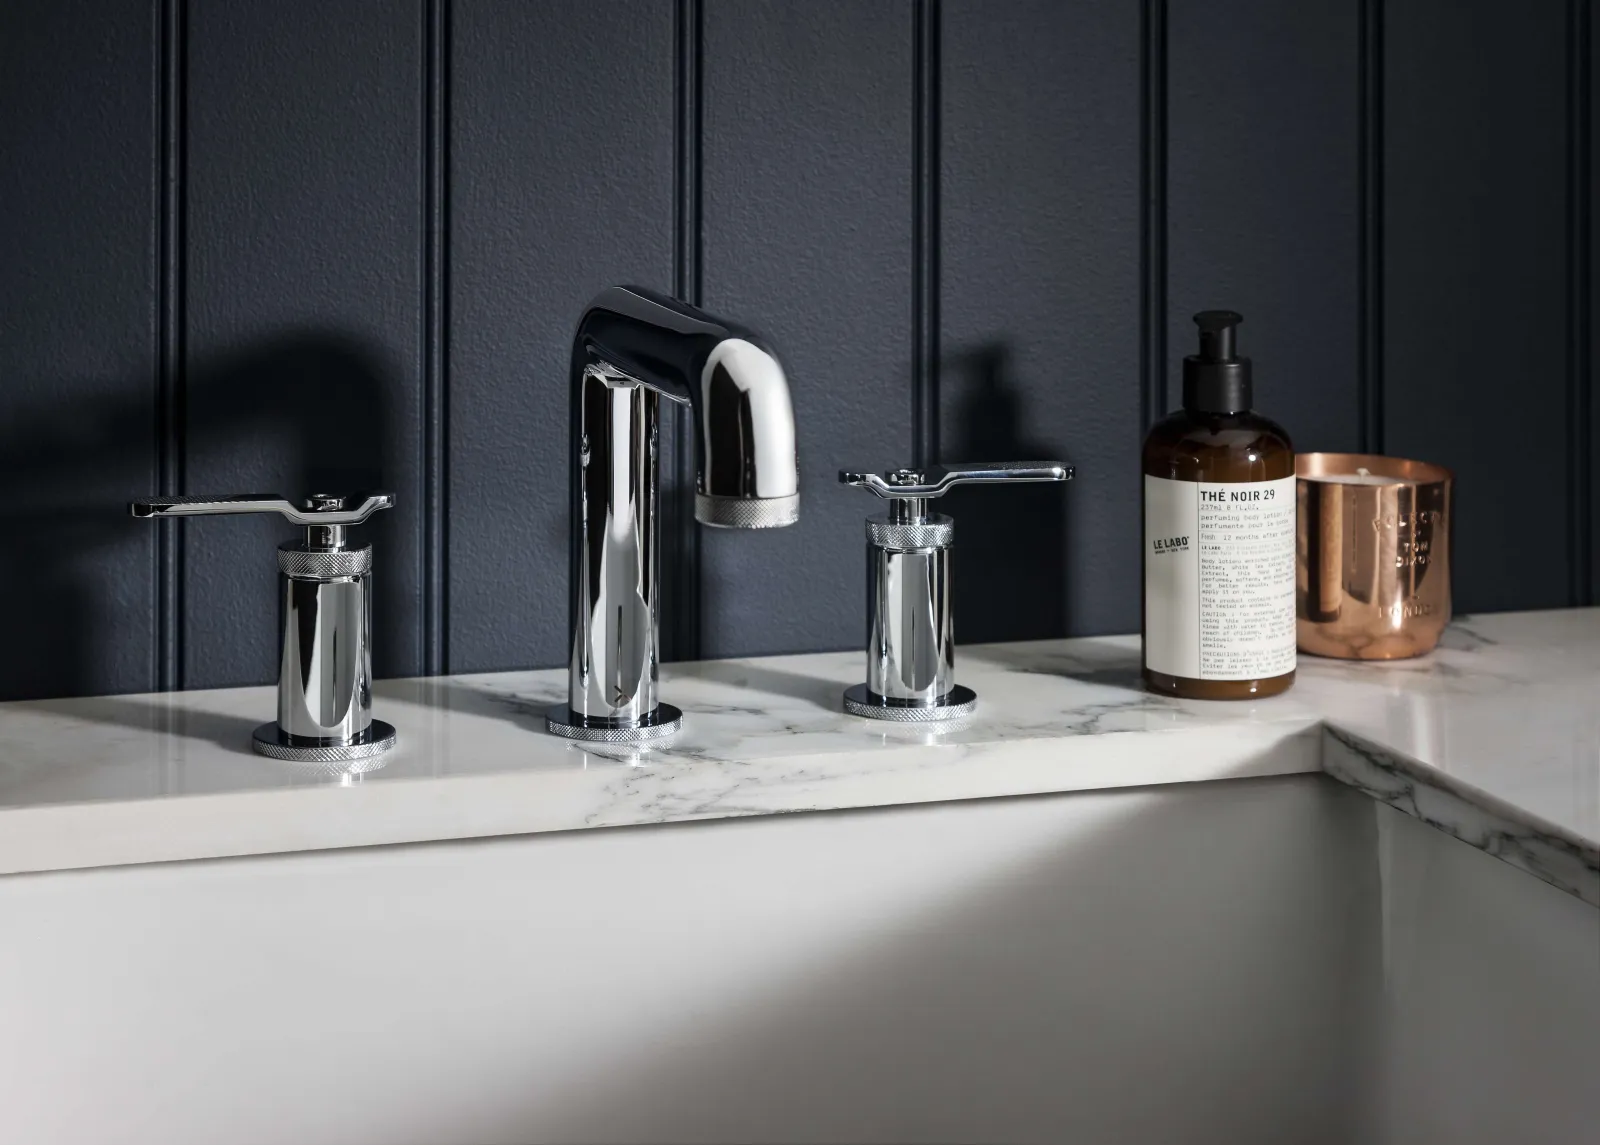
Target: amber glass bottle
(1219, 535)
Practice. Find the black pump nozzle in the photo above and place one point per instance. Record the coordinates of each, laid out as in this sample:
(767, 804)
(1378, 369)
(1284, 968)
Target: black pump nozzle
(1216, 334)
(1216, 380)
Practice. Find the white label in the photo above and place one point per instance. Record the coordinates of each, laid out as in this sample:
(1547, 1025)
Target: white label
(1219, 578)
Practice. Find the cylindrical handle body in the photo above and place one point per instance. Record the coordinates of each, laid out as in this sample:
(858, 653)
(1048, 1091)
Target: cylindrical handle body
(910, 638)
(325, 670)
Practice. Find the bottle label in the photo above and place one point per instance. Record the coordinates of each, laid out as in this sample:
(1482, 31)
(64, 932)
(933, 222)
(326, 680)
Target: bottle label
(1219, 578)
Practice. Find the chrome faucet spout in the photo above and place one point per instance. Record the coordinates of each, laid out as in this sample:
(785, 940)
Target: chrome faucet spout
(634, 348)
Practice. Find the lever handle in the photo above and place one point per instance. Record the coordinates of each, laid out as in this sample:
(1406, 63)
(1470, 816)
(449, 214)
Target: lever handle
(937, 480)
(319, 508)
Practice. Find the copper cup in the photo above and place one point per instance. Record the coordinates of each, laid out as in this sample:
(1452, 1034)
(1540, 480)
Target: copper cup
(1372, 555)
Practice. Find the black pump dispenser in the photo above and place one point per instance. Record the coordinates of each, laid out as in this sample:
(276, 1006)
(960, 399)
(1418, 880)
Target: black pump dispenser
(1219, 534)
(1216, 380)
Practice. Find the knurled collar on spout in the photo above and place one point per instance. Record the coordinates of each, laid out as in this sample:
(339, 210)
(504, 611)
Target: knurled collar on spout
(746, 512)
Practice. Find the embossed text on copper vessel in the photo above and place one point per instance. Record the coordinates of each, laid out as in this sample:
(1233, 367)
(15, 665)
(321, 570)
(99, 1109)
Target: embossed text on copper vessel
(1372, 555)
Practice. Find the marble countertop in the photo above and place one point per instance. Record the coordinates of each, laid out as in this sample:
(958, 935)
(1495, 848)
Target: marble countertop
(1495, 737)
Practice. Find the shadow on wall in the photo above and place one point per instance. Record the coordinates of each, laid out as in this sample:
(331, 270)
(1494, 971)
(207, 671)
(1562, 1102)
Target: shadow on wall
(296, 414)
(1009, 563)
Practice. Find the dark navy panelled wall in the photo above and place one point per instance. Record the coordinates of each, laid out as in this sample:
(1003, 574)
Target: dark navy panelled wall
(300, 244)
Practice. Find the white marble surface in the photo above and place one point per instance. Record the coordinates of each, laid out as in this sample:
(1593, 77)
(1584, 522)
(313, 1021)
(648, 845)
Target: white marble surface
(1495, 739)
(1509, 705)
(1500, 717)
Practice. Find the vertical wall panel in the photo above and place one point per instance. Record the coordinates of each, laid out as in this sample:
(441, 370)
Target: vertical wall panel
(77, 345)
(1262, 201)
(1475, 323)
(1592, 193)
(304, 241)
(389, 205)
(1040, 310)
(807, 199)
(1580, 312)
(561, 184)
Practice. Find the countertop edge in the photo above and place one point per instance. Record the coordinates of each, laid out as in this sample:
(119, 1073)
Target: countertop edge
(427, 809)
(1492, 740)
(1548, 851)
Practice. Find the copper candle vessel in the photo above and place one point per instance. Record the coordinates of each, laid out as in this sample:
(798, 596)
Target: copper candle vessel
(1372, 555)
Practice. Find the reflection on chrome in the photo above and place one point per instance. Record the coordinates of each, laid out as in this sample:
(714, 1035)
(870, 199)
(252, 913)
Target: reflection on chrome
(911, 647)
(325, 643)
(635, 348)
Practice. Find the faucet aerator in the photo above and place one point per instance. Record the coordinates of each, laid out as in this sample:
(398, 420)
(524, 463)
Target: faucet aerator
(746, 512)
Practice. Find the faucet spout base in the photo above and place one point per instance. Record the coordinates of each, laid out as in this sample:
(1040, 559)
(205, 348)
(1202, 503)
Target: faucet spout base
(354, 754)
(863, 701)
(659, 723)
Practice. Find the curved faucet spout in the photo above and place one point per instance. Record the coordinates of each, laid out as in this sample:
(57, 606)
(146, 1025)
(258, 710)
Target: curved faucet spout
(744, 423)
(634, 347)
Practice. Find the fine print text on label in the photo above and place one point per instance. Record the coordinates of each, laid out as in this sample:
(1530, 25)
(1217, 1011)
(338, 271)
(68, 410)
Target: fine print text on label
(1219, 578)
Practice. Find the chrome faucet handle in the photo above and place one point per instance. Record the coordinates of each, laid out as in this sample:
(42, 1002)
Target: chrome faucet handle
(320, 509)
(910, 641)
(937, 480)
(325, 644)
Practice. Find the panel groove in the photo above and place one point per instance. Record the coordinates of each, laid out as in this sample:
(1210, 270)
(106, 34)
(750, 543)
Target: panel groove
(1262, 198)
(1153, 210)
(1370, 225)
(1044, 303)
(435, 333)
(170, 416)
(1475, 238)
(304, 209)
(679, 531)
(1580, 206)
(808, 238)
(925, 235)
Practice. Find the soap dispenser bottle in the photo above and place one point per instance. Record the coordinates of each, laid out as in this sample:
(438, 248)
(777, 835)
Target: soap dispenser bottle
(1219, 534)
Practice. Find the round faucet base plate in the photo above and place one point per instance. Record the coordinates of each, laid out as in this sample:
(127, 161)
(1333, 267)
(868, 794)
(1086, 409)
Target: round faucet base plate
(563, 721)
(362, 753)
(958, 701)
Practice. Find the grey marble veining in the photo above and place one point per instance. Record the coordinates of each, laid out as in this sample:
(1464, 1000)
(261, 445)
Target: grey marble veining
(1504, 712)
(1476, 818)
(1493, 738)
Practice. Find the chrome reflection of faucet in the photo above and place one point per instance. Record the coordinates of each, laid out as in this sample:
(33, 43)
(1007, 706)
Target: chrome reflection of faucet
(911, 646)
(325, 645)
(633, 348)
